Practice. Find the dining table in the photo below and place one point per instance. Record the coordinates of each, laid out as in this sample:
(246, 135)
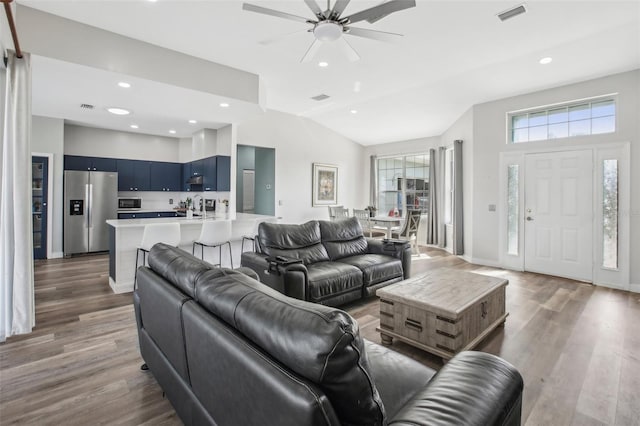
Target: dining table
(389, 223)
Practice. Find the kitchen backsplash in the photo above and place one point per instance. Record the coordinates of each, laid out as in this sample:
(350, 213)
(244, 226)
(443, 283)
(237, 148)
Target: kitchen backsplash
(160, 200)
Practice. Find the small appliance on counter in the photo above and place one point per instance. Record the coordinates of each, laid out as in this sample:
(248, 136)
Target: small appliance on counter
(209, 205)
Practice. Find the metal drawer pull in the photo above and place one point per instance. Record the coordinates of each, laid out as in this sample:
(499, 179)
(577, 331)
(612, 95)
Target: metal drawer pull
(483, 307)
(444, 333)
(386, 314)
(411, 323)
(388, 302)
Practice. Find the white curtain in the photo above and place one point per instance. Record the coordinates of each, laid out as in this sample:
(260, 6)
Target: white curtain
(17, 313)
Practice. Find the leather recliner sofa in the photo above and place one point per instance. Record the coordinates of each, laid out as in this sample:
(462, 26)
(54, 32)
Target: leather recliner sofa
(338, 264)
(228, 350)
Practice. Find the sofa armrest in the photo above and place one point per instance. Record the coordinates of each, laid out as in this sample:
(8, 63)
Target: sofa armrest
(400, 249)
(291, 280)
(473, 388)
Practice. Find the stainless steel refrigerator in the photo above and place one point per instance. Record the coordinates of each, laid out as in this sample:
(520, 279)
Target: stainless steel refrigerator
(90, 199)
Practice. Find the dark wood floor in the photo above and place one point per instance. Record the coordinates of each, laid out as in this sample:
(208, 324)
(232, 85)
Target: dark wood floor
(577, 347)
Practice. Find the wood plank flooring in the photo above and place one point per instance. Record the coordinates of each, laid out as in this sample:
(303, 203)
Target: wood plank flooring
(576, 345)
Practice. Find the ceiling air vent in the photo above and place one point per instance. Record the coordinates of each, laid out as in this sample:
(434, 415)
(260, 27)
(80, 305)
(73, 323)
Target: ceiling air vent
(508, 14)
(320, 97)
(86, 106)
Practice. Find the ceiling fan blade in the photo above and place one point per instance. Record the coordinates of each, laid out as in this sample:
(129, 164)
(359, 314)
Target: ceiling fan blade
(348, 50)
(311, 51)
(338, 8)
(314, 8)
(373, 34)
(279, 37)
(378, 12)
(276, 13)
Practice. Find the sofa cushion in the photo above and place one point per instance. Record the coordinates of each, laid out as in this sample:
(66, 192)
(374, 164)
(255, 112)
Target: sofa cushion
(343, 238)
(376, 268)
(177, 266)
(332, 278)
(319, 343)
(295, 241)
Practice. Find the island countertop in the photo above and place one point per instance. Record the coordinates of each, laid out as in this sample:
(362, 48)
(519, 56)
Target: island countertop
(125, 235)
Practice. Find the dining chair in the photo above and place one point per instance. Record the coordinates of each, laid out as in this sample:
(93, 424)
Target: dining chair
(254, 232)
(365, 220)
(332, 211)
(411, 224)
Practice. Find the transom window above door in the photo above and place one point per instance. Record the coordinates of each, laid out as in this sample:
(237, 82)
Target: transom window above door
(579, 118)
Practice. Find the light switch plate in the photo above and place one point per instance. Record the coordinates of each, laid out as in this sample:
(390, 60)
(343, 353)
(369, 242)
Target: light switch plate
(492, 207)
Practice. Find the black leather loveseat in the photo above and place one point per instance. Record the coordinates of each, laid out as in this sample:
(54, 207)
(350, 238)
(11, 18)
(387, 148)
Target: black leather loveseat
(338, 264)
(228, 350)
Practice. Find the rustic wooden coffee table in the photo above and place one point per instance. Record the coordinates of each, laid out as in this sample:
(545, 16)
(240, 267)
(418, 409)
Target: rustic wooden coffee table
(444, 311)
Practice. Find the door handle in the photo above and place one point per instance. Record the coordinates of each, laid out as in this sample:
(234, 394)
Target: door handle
(90, 211)
(529, 218)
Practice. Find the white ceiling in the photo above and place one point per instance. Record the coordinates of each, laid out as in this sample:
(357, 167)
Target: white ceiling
(454, 54)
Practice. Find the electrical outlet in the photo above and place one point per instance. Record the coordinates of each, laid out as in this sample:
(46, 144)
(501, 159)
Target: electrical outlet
(170, 200)
(492, 207)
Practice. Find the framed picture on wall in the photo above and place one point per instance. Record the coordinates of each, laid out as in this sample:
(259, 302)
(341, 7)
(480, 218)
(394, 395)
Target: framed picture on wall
(325, 185)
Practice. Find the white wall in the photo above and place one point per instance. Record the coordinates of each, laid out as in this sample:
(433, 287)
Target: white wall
(490, 133)
(47, 137)
(300, 142)
(94, 142)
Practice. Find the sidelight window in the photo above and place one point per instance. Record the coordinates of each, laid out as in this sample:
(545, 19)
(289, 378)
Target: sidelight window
(610, 214)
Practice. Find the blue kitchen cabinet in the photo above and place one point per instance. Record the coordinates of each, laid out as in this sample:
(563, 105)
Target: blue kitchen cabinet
(210, 181)
(79, 162)
(142, 176)
(186, 174)
(197, 168)
(165, 176)
(134, 175)
(223, 173)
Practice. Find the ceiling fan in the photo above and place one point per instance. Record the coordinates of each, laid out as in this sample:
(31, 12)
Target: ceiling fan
(329, 25)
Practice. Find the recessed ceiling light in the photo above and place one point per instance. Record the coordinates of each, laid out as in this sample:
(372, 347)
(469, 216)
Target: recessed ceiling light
(119, 111)
(134, 126)
(545, 61)
(173, 132)
(224, 105)
(124, 84)
(192, 121)
(323, 64)
(354, 111)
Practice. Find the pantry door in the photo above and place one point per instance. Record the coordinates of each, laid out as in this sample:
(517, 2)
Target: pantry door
(558, 225)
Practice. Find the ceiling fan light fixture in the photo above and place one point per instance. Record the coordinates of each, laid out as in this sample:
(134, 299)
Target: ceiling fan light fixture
(327, 31)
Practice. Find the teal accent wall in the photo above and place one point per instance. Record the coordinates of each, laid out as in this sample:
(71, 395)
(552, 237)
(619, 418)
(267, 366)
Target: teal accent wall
(265, 166)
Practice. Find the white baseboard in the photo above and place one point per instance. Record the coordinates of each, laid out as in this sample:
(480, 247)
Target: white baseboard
(120, 288)
(634, 288)
(56, 255)
(483, 262)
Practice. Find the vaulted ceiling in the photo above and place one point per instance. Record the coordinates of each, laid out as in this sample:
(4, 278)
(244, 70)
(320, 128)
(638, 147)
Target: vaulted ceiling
(454, 54)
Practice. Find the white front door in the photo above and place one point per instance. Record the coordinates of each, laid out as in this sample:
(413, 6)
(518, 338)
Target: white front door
(558, 226)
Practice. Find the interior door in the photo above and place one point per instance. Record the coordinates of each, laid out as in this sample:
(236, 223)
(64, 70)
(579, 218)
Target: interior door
(558, 214)
(248, 190)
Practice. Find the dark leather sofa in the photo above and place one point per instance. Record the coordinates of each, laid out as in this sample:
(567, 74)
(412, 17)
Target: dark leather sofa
(338, 263)
(228, 350)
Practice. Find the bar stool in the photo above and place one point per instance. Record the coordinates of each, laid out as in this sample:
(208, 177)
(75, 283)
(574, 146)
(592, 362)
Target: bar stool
(168, 233)
(215, 233)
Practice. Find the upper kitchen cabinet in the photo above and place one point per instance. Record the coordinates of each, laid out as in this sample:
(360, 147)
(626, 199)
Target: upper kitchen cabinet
(134, 175)
(210, 177)
(99, 164)
(186, 174)
(197, 167)
(223, 173)
(166, 176)
(217, 173)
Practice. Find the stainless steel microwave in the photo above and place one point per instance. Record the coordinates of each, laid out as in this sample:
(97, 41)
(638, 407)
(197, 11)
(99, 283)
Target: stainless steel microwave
(129, 203)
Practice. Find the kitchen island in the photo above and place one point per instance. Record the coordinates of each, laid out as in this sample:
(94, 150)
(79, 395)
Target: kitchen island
(125, 235)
